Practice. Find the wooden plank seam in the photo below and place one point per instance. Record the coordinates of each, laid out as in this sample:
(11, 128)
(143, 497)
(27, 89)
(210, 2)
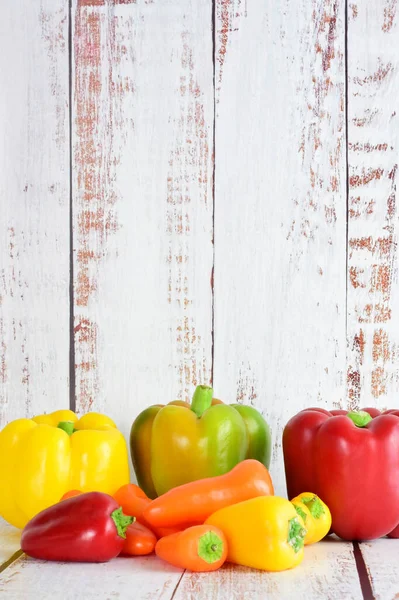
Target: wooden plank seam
(213, 187)
(72, 374)
(11, 560)
(362, 572)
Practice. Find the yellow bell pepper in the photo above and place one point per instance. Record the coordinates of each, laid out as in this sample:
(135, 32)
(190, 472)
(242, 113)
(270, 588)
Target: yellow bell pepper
(315, 515)
(44, 457)
(263, 533)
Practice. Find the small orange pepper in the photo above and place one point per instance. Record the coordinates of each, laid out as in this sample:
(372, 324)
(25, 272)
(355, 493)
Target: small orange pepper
(198, 548)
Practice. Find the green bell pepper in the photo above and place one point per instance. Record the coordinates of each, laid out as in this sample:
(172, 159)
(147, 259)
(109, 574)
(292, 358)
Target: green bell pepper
(178, 443)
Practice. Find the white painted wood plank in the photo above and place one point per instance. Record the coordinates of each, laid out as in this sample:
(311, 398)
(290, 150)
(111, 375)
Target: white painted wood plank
(328, 571)
(381, 558)
(373, 137)
(280, 216)
(34, 208)
(141, 578)
(9, 541)
(142, 140)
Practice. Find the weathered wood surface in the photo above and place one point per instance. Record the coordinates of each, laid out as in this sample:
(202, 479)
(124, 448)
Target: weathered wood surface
(328, 571)
(140, 578)
(142, 202)
(34, 208)
(280, 216)
(9, 541)
(381, 558)
(373, 145)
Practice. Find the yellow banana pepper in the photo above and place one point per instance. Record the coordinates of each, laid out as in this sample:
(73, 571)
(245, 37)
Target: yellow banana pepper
(263, 533)
(44, 457)
(315, 515)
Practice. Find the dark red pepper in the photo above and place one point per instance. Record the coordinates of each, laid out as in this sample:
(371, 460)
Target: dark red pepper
(86, 528)
(351, 463)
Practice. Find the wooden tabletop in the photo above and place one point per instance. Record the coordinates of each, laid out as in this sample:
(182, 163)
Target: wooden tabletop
(332, 569)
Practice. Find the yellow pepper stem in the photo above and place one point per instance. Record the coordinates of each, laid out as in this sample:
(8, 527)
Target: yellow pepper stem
(67, 426)
(301, 513)
(202, 399)
(314, 505)
(296, 534)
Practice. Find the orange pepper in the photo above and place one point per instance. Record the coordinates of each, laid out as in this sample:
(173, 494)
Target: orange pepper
(134, 501)
(71, 494)
(139, 540)
(198, 548)
(192, 503)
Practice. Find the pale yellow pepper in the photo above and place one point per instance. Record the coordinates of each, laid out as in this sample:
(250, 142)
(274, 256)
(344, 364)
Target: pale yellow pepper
(315, 514)
(263, 533)
(44, 457)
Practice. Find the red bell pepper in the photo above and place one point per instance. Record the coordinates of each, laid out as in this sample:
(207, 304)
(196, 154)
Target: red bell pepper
(90, 527)
(351, 461)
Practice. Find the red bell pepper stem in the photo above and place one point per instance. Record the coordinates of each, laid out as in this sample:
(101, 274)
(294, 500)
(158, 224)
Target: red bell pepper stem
(121, 521)
(360, 418)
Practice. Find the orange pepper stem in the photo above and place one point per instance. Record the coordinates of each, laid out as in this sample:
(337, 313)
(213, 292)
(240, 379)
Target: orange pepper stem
(67, 426)
(210, 547)
(202, 399)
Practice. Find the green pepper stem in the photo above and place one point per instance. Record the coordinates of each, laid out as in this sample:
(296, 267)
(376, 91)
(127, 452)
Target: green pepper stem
(121, 521)
(210, 547)
(296, 534)
(66, 426)
(314, 505)
(301, 513)
(202, 399)
(360, 418)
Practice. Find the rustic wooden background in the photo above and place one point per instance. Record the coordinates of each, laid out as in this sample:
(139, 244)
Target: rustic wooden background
(196, 191)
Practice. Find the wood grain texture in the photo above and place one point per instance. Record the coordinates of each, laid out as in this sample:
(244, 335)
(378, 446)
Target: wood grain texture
(280, 222)
(144, 578)
(34, 208)
(142, 139)
(381, 559)
(373, 146)
(328, 571)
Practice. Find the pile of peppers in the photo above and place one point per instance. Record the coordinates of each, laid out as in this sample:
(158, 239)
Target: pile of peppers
(198, 526)
(205, 495)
